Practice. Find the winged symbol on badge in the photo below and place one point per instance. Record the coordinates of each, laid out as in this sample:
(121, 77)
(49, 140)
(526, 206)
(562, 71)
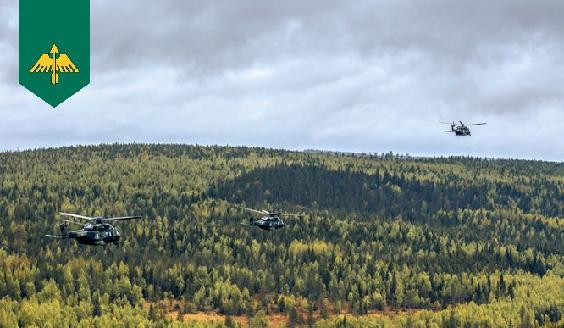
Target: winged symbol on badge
(54, 65)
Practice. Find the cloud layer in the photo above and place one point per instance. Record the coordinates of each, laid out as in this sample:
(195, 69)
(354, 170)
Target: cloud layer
(352, 76)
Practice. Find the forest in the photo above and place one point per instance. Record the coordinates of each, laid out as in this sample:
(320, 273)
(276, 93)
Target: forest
(383, 240)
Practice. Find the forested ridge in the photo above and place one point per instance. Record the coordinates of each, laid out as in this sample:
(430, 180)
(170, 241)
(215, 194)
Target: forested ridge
(460, 241)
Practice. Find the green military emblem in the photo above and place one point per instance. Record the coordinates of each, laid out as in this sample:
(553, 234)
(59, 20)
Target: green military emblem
(54, 48)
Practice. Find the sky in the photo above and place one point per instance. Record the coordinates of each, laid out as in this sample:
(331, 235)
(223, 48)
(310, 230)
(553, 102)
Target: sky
(355, 76)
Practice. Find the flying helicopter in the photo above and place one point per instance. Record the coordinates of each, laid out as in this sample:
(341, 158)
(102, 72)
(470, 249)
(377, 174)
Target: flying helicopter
(269, 221)
(96, 231)
(461, 130)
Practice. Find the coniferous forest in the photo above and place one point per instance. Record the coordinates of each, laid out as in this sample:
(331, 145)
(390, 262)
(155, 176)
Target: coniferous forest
(383, 240)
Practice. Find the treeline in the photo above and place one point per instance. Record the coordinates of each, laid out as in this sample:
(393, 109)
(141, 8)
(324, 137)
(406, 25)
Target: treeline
(378, 233)
(389, 193)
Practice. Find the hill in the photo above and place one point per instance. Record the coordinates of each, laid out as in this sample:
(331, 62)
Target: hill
(445, 241)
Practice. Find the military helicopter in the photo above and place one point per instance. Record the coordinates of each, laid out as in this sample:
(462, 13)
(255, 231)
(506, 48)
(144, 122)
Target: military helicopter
(461, 130)
(269, 220)
(96, 231)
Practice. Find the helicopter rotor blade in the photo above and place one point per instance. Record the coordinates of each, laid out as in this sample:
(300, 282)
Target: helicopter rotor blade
(479, 124)
(55, 237)
(256, 211)
(123, 218)
(74, 222)
(76, 216)
(292, 216)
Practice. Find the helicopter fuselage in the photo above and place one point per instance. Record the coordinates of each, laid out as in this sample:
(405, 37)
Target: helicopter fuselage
(268, 223)
(462, 132)
(95, 234)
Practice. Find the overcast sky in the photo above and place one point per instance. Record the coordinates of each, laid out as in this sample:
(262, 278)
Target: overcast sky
(363, 75)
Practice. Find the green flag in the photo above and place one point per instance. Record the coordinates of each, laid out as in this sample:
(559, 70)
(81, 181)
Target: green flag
(54, 48)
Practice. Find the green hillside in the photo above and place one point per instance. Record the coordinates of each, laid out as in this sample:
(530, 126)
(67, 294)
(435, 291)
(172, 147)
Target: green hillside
(447, 241)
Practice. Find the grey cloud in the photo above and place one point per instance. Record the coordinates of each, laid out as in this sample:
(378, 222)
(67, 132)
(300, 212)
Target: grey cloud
(357, 76)
(230, 33)
(8, 41)
(450, 37)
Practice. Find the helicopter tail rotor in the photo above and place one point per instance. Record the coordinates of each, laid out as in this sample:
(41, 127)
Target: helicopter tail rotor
(64, 228)
(452, 125)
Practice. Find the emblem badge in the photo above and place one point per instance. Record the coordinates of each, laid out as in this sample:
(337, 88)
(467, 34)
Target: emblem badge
(54, 48)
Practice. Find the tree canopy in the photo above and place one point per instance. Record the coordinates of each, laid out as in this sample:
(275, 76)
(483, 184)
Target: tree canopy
(460, 241)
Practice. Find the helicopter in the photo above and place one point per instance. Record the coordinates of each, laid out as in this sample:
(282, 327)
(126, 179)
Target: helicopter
(461, 130)
(269, 221)
(97, 231)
